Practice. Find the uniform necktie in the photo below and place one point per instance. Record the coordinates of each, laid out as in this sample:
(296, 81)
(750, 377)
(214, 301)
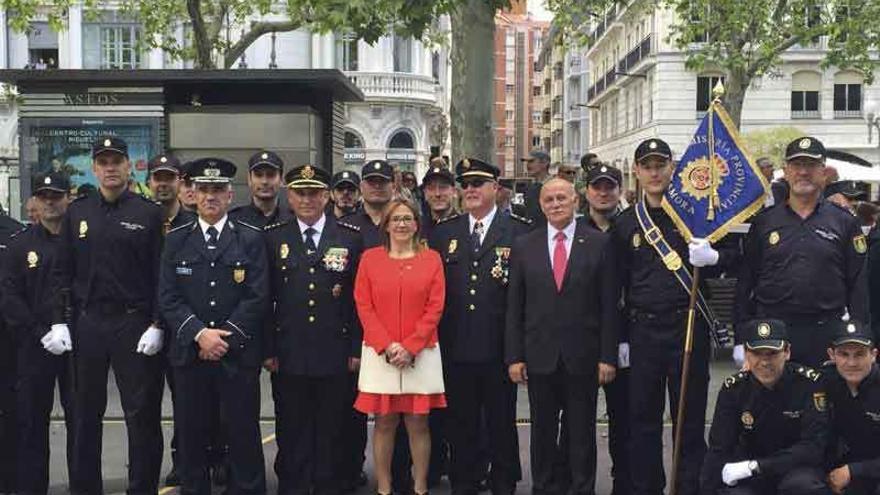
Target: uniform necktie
(560, 259)
(212, 237)
(311, 248)
(476, 235)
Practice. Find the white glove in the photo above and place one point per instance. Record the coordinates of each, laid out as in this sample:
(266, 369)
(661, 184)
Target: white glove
(739, 355)
(151, 341)
(57, 339)
(735, 471)
(623, 355)
(701, 253)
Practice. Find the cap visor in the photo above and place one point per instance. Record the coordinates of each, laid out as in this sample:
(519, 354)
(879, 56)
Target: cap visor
(50, 188)
(112, 150)
(167, 168)
(377, 174)
(478, 174)
(769, 345)
(654, 153)
(605, 177)
(264, 164)
(306, 184)
(853, 340)
(212, 180)
(344, 181)
(807, 155)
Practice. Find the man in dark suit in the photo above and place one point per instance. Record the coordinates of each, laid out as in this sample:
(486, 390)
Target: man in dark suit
(476, 252)
(316, 336)
(561, 335)
(213, 292)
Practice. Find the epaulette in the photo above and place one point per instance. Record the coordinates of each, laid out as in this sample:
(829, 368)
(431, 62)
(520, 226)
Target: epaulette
(275, 225)
(450, 217)
(732, 380)
(527, 221)
(348, 226)
(808, 373)
(248, 225)
(181, 227)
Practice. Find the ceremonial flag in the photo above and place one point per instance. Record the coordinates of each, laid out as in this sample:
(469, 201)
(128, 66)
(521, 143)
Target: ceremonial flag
(706, 201)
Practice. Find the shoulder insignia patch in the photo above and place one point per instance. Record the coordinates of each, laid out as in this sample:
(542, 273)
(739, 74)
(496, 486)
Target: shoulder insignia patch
(273, 226)
(809, 373)
(732, 380)
(527, 221)
(248, 225)
(347, 225)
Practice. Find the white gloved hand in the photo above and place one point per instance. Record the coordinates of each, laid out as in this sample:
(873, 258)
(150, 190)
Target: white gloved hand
(739, 355)
(623, 355)
(151, 341)
(57, 340)
(701, 253)
(735, 471)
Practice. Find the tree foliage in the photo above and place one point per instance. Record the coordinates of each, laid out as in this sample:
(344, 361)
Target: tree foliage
(770, 142)
(747, 38)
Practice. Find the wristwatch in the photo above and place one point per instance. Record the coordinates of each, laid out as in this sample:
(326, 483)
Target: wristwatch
(753, 467)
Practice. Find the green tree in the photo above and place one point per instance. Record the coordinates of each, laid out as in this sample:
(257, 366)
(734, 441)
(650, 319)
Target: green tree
(746, 38)
(770, 142)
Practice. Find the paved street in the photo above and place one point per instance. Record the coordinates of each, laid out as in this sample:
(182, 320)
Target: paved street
(115, 443)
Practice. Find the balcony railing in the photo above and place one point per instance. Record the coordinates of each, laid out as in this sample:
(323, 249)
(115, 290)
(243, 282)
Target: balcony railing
(395, 86)
(847, 114)
(625, 64)
(805, 114)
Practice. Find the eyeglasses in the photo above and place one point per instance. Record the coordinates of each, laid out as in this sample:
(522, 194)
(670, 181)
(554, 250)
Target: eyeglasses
(402, 219)
(475, 183)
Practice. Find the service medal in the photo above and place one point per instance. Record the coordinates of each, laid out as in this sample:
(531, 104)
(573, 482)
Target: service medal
(32, 259)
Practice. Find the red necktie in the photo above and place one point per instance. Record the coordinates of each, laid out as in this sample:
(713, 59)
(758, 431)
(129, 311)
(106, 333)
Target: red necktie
(560, 259)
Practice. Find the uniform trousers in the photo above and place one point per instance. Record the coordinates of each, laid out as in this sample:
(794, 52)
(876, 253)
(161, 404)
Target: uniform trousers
(799, 481)
(575, 396)
(7, 411)
(656, 349)
(38, 373)
(312, 422)
(472, 389)
(810, 339)
(218, 447)
(201, 385)
(104, 338)
(354, 438)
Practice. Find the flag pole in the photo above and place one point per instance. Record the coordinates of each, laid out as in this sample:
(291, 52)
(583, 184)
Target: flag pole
(717, 92)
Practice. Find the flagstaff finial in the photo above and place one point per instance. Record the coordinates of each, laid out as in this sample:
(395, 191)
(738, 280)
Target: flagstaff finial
(718, 90)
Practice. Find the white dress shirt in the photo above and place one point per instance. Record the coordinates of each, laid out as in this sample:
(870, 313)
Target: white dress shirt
(318, 226)
(219, 226)
(486, 221)
(551, 239)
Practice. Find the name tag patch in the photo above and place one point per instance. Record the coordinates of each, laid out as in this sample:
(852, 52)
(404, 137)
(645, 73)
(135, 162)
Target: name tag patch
(182, 270)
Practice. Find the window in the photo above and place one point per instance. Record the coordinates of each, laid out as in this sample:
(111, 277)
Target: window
(536, 117)
(536, 141)
(402, 140)
(847, 100)
(347, 52)
(508, 141)
(111, 46)
(510, 65)
(435, 66)
(352, 140)
(704, 91)
(508, 115)
(536, 90)
(627, 94)
(403, 58)
(805, 95)
(509, 88)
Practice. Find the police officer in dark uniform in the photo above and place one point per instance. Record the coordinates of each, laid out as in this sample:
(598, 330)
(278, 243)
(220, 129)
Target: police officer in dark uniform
(42, 358)
(377, 189)
(265, 170)
(803, 260)
(538, 168)
(770, 428)
(164, 180)
(107, 276)
(852, 382)
(313, 260)
(344, 193)
(476, 249)
(439, 191)
(8, 432)
(214, 293)
(656, 298)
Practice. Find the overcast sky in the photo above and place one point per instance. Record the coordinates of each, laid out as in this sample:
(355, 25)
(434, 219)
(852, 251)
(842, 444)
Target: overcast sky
(537, 7)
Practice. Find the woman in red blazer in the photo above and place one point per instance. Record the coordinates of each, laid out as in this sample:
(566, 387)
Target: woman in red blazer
(399, 293)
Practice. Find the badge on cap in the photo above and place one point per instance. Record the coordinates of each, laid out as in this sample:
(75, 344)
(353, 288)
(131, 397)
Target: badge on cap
(466, 164)
(604, 169)
(47, 180)
(377, 166)
(652, 145)
(763, 330)
(436, 170)
(805, 143)
(264, 156)
(32, 259)
(344, 175)
(163, 159)
(307, 172)
(107, 142)
(747, 419)
(212, 172)
(83, 229)
(850, 328)
(773, 239)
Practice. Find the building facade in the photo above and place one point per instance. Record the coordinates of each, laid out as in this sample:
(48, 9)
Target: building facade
(405, 82)
(517, 112)
(639, 88)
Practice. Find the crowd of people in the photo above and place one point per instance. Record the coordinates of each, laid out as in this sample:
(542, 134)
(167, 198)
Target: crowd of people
(426, 306)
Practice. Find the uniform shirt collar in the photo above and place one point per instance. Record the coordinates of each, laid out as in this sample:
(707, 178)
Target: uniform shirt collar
(486, 221)
(219, 226)
(318, 226)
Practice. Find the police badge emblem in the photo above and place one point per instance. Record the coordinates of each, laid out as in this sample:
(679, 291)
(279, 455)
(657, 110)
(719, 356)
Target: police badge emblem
(747, 420)
(860, 244)
(763, 330)
(307, 172)
(453, 245)
(636, 240)
(238, 275)
(805, 143)
(284, 251)
(32, 259)
(83, 229)
(773, 238)
(819, 401)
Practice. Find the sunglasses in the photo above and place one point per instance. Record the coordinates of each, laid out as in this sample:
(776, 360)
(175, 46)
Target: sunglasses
(474, 183)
